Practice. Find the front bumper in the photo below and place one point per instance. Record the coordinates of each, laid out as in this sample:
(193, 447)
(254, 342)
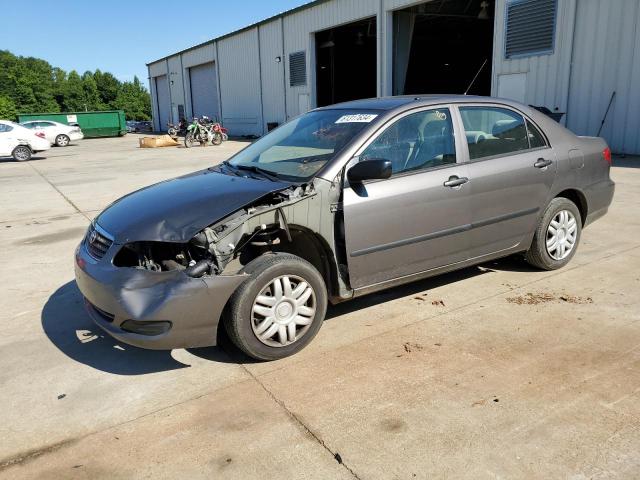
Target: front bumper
(115, 295)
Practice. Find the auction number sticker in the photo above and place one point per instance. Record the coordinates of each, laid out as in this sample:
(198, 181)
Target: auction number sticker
(357, 118)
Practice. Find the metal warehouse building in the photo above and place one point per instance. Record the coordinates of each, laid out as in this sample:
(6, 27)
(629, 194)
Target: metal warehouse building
(577, 57)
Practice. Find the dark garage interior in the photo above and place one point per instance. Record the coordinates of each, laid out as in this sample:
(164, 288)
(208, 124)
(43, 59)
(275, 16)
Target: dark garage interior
(440, 46)
(346, 62)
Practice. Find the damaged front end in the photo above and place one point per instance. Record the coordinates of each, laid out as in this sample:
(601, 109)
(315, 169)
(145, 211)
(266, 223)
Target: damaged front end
(165, 294)
(212, 249)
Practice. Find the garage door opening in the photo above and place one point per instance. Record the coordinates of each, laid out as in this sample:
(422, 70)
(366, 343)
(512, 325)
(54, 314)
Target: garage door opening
(346, 62)
(440, 47)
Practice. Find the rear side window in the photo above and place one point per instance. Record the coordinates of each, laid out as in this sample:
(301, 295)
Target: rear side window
(536, 140)
(417, 141)
(30, 125)
(5, 128)
(493, 131)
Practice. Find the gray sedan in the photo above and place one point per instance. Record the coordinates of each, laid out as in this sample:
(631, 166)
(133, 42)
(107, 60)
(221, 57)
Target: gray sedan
(340, 202)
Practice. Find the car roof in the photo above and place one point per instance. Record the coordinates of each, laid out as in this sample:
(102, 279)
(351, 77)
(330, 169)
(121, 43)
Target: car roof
(390, 103)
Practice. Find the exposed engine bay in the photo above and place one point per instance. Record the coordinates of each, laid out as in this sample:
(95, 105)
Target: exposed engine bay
(212, 249)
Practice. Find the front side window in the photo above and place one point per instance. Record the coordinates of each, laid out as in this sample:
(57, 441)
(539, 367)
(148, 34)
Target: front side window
(416, 142)
(493, 131)
(300, 148)
(5, 128)
(30, 125)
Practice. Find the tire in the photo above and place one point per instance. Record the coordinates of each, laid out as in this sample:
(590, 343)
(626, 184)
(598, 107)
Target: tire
(62, 140)
(217, 138)
(551, 251)
(172, 132)
(247, 316)
(188, 140)
(21, 153)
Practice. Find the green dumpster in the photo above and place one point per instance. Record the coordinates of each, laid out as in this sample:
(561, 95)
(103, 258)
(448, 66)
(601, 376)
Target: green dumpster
(107, 123)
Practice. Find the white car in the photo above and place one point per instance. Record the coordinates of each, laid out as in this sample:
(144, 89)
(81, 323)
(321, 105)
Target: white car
(57, 133)
(20, 142)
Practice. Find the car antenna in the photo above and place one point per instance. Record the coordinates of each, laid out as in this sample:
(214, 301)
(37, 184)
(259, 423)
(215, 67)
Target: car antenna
(474, 78)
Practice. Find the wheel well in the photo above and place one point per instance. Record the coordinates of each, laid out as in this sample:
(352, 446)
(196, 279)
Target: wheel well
(315, 250)
(579, 199)
(305, 244)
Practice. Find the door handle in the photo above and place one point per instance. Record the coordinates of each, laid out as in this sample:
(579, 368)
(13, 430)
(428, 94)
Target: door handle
(542, 163)
(455, 181)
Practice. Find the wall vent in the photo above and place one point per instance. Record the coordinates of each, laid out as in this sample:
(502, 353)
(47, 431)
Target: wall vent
(297, 69)
(530, 27)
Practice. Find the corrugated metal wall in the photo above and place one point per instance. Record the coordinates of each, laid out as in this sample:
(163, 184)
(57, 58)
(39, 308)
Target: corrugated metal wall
(272, 72)
(606, 59)
(238, 70)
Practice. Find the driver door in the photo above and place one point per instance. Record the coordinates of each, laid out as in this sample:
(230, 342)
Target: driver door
(418, 219)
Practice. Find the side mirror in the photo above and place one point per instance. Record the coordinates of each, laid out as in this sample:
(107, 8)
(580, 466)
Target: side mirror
(374, 169)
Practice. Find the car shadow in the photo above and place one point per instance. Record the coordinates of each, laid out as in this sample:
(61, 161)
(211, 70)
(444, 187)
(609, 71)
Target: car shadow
(72, 331)
(34, 158)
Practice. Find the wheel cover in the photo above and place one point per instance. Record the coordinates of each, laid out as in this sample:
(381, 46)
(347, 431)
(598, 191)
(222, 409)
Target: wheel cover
(63, 140)
(283, 311)
(561, 235)
(22, 153)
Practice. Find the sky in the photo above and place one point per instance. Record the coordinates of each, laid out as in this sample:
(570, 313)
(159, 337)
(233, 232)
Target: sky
(122, 36)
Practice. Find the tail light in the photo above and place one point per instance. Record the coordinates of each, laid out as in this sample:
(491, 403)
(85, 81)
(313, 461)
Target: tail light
(606, 154)
(40, 134)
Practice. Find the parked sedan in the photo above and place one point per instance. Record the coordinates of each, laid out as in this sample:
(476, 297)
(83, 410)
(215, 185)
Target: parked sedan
(57, 133)
(19, 142)
(340, 202)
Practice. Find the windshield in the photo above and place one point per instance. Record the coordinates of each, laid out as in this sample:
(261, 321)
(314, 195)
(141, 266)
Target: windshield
(299, 149)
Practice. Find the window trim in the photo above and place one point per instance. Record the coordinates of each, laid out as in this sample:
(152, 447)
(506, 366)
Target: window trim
(501, 155)
(389, 122)
(536, 53)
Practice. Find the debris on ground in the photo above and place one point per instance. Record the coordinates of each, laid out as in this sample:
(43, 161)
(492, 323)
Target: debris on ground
(438, 303)
(410, 347)
(338, 458)
(537, 298)
(154, 142)
(61, 396)
(478, 403)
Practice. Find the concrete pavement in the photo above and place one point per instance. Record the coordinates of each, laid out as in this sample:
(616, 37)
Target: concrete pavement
(492, 371)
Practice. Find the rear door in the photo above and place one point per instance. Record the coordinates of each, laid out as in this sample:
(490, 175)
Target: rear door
(511, 171)
(6, 140)
(411, 222)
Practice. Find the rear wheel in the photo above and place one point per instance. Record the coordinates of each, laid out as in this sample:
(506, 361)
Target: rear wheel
(557, 236)
(278, 310)
(217, 138)
(62, 140)
(21, 153)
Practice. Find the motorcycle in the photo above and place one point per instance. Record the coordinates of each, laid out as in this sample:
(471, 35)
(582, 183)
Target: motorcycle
(203, 132)
(179, 130)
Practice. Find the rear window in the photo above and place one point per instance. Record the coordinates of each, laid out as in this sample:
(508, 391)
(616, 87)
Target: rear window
(492, 131)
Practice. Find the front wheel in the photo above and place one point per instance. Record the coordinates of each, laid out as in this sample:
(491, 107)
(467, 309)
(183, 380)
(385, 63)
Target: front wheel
(21, 153)
(557, 237)
(278, 310)
(62, 140)
(188, 140)
(172, 132)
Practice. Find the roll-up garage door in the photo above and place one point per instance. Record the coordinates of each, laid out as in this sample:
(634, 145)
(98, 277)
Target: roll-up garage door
(164, 103)
(204, 90)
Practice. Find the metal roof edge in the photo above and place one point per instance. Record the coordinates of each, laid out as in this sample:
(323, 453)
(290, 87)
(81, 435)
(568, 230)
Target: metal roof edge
(291, 11)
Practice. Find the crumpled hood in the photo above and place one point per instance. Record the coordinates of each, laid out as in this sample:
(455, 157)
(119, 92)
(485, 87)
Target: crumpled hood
(175, 210)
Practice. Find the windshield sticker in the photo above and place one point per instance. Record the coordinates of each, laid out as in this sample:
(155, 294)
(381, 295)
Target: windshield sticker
(357, 118)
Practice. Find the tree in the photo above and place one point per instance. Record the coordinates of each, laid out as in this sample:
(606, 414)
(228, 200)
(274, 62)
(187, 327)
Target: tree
(7, 108)
(29, 85)
(134, 99)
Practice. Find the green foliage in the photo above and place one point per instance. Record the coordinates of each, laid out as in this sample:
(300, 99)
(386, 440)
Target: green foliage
(29, 85)
(7, 109)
